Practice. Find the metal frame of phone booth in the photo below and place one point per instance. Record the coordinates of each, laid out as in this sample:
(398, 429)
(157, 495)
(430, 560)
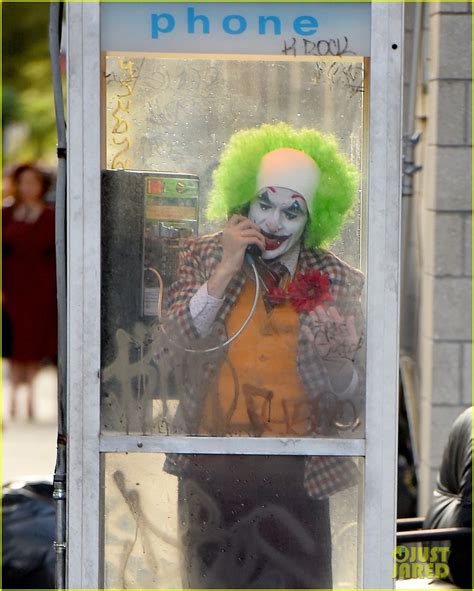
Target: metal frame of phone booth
(86, 445)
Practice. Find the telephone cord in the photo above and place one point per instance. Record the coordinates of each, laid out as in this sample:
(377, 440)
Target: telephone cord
(230, 339)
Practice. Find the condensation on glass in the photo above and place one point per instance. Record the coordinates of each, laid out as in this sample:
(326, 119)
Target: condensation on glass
(230, 522)
(166, 122)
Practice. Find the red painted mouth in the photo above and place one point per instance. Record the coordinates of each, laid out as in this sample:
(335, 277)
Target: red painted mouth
(272, 242)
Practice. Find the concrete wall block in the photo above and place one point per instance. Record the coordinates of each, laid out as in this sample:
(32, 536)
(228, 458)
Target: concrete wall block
(467, 374)
(446, 255)
(452, 308)
(447, 107)
(468, 245)
(451, 46)
(450, 7)
(446, 375)
(468, 114)
(448, 178)
(442, 419)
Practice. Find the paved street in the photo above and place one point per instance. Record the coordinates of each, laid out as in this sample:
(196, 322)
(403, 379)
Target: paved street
(29, 447)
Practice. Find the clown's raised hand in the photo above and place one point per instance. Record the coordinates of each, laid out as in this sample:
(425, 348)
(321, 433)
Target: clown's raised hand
(331, 334)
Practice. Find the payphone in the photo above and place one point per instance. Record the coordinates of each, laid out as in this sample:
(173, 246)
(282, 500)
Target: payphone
(145, 217)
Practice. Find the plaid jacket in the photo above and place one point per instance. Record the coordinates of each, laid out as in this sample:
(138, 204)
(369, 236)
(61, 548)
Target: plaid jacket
(197, 374)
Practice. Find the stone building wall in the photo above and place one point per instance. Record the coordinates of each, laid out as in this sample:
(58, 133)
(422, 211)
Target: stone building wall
(437, 267)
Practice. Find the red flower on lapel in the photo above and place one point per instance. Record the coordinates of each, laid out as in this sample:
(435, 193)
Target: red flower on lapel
(309, 290)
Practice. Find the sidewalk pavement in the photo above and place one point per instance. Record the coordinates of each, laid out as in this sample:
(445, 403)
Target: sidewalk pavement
(29, 447)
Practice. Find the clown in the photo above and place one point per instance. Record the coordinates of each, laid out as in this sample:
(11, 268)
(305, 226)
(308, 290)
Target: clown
(293, 372)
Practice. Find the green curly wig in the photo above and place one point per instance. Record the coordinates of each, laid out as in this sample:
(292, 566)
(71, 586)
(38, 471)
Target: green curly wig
(235, 179)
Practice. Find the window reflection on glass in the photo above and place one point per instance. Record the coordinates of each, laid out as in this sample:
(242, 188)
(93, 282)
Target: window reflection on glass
(174, 115)
(231, 521)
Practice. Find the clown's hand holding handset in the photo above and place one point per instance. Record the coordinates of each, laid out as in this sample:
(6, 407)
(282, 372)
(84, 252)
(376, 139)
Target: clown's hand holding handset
(296, 190)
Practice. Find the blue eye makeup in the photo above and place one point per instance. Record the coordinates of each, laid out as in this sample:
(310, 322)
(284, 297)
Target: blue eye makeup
(293, 211)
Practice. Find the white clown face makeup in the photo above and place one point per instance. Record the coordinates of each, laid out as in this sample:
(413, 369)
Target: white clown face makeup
(282, 215)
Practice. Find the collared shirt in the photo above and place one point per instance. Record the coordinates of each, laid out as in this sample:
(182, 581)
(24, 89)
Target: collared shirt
(204, 307)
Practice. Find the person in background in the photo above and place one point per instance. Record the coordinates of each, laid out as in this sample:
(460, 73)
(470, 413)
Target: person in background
(451, 505)
(7, 187)
(29, 280)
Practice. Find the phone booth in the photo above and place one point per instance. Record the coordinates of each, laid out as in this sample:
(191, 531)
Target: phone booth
(187, 467)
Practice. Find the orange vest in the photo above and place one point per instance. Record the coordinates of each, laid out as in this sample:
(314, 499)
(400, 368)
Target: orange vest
(259, 391)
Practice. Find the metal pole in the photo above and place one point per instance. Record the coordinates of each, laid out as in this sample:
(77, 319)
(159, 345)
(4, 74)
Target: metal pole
(411, 139)
(59, 490)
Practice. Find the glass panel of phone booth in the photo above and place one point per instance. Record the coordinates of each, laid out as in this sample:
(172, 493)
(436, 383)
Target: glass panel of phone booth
(167, 121)
(273, 534)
